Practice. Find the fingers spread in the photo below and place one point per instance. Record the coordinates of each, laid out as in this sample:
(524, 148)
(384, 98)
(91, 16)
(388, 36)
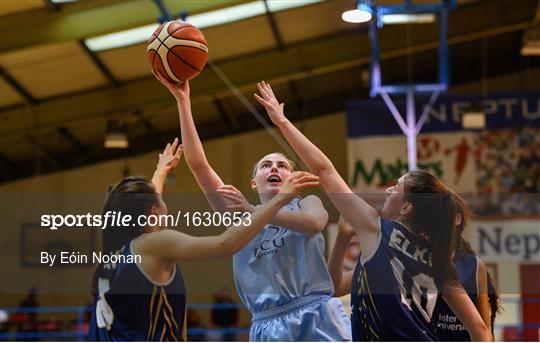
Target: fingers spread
(262, 90)
(261, 100)
(269, 88)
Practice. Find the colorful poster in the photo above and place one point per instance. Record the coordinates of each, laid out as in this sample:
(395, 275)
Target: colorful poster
(503, 157)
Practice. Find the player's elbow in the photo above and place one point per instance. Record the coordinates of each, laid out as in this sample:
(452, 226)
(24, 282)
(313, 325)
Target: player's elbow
(480, 332)
(318, 225)
(322, 167)
(312, 226)
(227, 246)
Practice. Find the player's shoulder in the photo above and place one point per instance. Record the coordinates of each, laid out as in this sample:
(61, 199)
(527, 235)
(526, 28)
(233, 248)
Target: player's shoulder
(481, 265)
(310, 200)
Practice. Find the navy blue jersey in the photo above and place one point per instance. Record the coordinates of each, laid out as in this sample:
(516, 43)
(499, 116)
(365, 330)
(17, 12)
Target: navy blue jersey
(393, 293)
(449, 327)
(133, 307)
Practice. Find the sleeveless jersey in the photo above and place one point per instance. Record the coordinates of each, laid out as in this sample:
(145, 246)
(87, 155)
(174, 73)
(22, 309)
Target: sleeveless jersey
(282, 278)
(393, 293)
(133, 307)
(449, 327)
(279, 266)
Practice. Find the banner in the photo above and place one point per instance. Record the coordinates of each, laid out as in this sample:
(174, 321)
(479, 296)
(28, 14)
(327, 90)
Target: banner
(502, 158)
(506, 240)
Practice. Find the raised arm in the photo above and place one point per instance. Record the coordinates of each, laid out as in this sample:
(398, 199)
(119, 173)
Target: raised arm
(309, 220)
(168, 160)
(208, 180)
(342, 280)
(354, 209)
(171, 244)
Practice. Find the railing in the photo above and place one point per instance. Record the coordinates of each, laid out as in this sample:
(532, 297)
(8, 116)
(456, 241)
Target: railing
(80, 334)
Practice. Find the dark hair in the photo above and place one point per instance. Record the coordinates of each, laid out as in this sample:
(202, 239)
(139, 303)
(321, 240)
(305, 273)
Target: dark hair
(133, 196)
(433, 218)
(494, 300)
(463, 246)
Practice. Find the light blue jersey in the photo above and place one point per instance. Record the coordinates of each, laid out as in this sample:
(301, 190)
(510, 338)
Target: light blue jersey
(282, 278)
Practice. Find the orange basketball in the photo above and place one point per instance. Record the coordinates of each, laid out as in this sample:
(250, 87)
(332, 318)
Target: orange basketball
(178, 50)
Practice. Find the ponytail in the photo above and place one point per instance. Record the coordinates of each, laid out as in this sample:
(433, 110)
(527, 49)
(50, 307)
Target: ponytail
(133, 196)
(494, 300)
(464, 246)
(432, 217)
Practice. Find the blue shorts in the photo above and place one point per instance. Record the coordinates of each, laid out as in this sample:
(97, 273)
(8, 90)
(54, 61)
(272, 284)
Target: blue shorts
(311, 318)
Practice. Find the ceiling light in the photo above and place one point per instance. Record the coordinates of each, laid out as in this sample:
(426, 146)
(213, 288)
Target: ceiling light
(116, 141)
(116, 135)
(531, 42)
(361, 14)
(280, 5)
(202, 20)
(473, 118)
(530, 50)
(403, 18)
(121, 38)
(227, 14)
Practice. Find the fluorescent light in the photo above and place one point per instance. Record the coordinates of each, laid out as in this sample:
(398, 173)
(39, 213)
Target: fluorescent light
(402, 18)
(244, 11)
(202, 20)
(62, 1)
(280, 5)
(116, 140)
(473, 119)
(121, 38)
(227, 14)
(361, 14)
(116, 135)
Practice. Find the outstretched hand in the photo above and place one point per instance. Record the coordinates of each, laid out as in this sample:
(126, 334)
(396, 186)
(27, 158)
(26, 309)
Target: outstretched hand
(297, 181)
(169, 158)
(237, 201)
(268, 99)
(179, 90)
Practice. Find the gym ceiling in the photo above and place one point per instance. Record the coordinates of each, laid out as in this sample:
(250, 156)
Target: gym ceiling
(57, 96)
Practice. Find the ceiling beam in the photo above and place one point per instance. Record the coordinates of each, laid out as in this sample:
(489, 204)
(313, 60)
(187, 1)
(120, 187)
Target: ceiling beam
(18, 87)
(99, 64)
(274, 27)
(53, 7)
(225, 116)
(44, 152)
(68, 136)
(7, 161)
(145, 122)
(81, 20)
(318, 106)
(157, 140)
(349, 50)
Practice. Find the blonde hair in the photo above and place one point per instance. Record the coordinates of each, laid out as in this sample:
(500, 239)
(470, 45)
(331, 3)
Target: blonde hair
(291, 163)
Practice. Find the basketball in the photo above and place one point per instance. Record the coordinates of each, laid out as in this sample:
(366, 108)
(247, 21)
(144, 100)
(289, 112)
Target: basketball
(178, 50)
